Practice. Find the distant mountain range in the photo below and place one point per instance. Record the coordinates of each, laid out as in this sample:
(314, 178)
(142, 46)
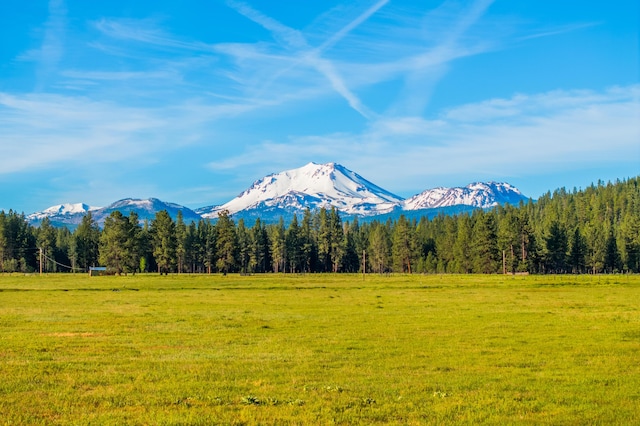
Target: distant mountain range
(312, 186)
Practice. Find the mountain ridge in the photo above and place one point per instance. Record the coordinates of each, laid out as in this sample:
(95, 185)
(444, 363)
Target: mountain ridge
(292, 191)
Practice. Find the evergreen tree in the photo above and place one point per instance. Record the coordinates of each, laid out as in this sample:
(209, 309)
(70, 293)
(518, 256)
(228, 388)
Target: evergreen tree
(134, 243)
(509, 236)
(47, 244)
(293, 242)
(594, 235)
(324, 241)
(612, 261)
(146, 260)
(337, 240)
(577, 252)
(485, 244)
(379, 247)
(278, 246)
(556, 244)
(244, 246)
(181, 241)
(87, 239)
(62, 250)
(191, 248)
(17, 242)
(307, 241)
(113, 249)
(259, 258)
(226, 242)
(403, 246)
(462, 247)
(208, 239)
(163, 234)
(351, 261)
(630, 230)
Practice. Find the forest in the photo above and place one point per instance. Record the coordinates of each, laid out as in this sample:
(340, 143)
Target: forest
(593, 230)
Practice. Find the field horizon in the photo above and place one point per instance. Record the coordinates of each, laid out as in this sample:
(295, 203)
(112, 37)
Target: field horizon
(320, 349)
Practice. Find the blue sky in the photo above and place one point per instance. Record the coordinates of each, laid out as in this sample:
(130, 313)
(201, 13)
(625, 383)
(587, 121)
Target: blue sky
(192, 101)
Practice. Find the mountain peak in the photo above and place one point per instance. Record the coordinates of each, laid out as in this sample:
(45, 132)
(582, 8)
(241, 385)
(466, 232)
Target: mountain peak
(312, 185)
(477, 194)
(65, 210)
(292, 191)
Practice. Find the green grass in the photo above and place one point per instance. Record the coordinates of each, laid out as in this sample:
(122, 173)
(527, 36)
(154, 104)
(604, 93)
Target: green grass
(319, 349)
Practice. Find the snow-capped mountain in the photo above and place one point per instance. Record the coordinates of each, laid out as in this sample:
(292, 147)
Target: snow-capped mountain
(312, 186)
(478, 194)
(71, 215)
(146, 210)
(291, 192)
(62, 214)
(63, 210)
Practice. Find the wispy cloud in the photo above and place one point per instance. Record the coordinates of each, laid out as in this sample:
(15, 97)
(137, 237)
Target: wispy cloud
(294, 70)
(149, 33)
(553, 31)
(518, 136)
(59, 130)
(427, 68)
(304, 54)
(50, 53)
(416, 51)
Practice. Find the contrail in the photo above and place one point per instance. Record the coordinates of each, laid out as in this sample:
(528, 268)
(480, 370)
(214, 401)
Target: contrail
(312, 56)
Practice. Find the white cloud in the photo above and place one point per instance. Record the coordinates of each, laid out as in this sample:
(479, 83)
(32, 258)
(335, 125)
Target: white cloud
(51, 51)
(58, 129)
(521, 136)
(305, 55)
(147, 32)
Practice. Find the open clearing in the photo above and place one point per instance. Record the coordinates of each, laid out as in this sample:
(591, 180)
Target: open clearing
(320, 349)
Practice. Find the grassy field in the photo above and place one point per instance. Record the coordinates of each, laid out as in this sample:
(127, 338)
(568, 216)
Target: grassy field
(320, 349)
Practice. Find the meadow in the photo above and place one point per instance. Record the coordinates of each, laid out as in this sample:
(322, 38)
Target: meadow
(319, 349)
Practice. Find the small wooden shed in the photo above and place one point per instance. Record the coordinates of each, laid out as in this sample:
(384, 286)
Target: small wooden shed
(95, 271)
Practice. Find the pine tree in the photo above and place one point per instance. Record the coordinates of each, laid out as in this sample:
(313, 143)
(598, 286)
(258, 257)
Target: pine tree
(462, 247)
(113, 242)
(278, 246)
(324, 240)
(293, 244)
(577, 252)
(308, 245)
(244, 246)
(47, 244)
(207, 235)
(134, 243)
(612, 260)
(226, 242)
(485, 244)
(379, 247)
(87, 239)
(337, 240)
(556, 244)
(259, 258)
(403, 246)
(181, 241)
(163, 233)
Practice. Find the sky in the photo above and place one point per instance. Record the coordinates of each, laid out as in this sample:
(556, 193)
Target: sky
(192, 101)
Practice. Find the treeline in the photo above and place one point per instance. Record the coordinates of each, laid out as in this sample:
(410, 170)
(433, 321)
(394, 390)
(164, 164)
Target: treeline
(596, 230)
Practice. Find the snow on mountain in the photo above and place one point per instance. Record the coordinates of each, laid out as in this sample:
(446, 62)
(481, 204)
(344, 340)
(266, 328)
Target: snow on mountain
(62, 210)
(291, 192)
(146, 209)
(313, 186)
(478, 194)
(62, 214)
(72, 214)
